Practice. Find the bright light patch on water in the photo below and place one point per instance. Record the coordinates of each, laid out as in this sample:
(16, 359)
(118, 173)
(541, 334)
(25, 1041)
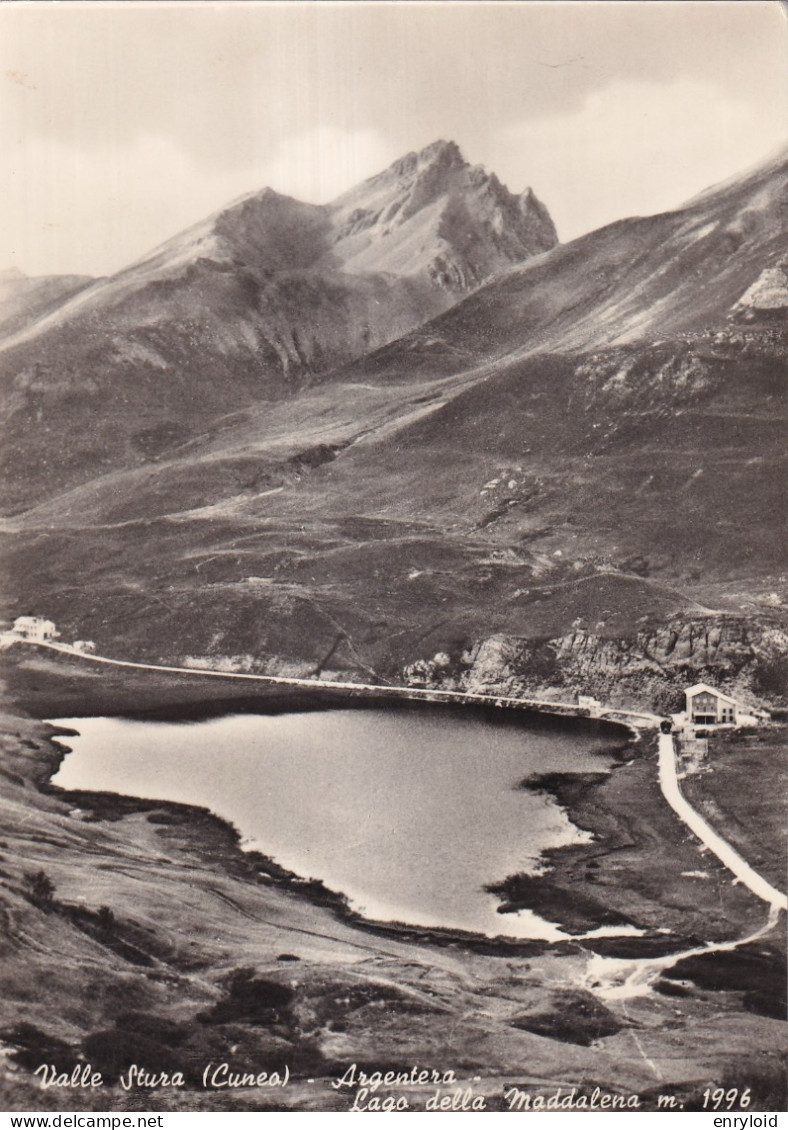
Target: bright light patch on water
(409, 813)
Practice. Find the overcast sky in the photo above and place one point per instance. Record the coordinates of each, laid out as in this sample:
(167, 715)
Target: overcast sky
(122, 123)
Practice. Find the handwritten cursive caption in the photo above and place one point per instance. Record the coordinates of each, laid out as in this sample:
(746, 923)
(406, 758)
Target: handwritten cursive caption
(214, 1077)
(419, 1088)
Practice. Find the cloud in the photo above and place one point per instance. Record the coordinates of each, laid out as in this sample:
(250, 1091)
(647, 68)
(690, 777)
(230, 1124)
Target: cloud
(121, 124)
(92, 211)
(320, 164)
(75, 210)
(635, 148)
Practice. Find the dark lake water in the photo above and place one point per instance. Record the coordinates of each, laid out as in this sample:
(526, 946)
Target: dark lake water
(410, 813)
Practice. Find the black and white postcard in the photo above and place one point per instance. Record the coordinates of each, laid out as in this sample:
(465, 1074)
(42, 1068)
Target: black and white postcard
(394, 641)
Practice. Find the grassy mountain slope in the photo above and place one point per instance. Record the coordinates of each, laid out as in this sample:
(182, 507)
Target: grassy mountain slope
(248, 306)
(635, 280)
(583, 460)
(25, 300)
(570, 481)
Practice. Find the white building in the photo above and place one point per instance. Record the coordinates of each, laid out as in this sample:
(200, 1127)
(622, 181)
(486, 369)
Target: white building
(592, 705)
(707, 706)
(35, 628)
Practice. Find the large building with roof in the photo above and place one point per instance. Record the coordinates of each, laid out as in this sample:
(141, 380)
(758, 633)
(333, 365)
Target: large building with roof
(706, 706)
(34, 628)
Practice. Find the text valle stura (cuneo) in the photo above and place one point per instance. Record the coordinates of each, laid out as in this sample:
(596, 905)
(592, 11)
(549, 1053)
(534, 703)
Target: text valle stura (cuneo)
(214, 1076)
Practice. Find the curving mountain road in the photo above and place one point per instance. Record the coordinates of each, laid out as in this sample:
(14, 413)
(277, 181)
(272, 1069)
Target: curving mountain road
(669, 783)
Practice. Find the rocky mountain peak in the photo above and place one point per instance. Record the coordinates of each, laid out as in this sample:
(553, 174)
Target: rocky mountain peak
(446, 151)
(429, 216)
(432, 213)
(539, 222)
(528, 202)
(445, 154)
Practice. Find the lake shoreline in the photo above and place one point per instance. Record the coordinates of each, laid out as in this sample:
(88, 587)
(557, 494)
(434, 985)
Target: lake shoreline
(62, 686)
(562, 904)
(222, 916)
(262, 869)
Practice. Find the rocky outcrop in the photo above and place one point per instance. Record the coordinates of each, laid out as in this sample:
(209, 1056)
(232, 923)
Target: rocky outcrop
(768, 294)
(432, 214)
(645, 378)
(651, 668)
